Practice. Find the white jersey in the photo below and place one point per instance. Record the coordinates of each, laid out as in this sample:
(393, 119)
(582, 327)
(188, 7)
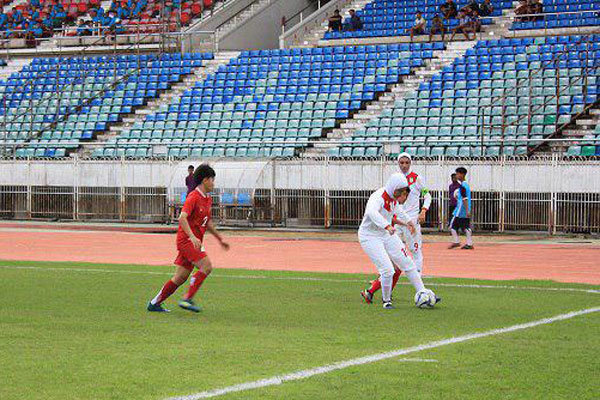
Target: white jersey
(417, 189)
(380, 210)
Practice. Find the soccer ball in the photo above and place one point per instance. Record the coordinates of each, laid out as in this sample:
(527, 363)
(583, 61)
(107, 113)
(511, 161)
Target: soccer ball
(455, 194)
(425, 299)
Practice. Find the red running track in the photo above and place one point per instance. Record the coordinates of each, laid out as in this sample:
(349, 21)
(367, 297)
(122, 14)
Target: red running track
(498, 261)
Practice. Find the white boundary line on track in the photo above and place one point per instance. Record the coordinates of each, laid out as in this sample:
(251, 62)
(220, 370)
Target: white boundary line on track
(307, 373)
(300, 278)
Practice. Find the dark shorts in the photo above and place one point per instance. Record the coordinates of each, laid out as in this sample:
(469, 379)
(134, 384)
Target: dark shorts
(461, 223)
(418, 31)
(188, 255)
(452, 207)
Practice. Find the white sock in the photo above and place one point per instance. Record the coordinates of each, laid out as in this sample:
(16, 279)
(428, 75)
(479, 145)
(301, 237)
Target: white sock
(154, 301)
(386, 287)
(468, 232)
(454, 236)
(415, 278)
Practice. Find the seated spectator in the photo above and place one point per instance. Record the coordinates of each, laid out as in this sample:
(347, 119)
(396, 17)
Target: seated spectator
(465, 26)
(3, 19)
(522, 9)
(448, 9)
(437, 26)
(83, 29)
(474, 7)
(418, 27)
(476, 21)
(355, 23)
(486, 9)
(335, 22)
(112, 24)
(535, 7)
(34, 31)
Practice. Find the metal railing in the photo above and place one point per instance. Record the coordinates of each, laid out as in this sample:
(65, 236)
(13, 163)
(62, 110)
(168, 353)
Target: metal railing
(289, 22)
(589, 69)
(509, 193)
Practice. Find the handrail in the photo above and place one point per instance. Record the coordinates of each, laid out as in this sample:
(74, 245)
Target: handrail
(330, 6)
(61, 117)
(533, 108)
(287, 20)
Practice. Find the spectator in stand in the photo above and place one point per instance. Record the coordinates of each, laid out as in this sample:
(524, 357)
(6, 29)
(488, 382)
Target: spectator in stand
(97, 15)
(535, 7)
(3, 19)
(355, 23)
(122, 11)
(83, 29)
(465, 26)
(17, 16)
(335, 22)
(34, 30)
(522, 9)
(448, 9)
(486, 9)
(476, 21)
(418, 27)
(437, 26)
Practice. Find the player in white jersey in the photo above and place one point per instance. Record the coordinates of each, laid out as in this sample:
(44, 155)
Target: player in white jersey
(413, 208)
(378, 238)
(410, 233)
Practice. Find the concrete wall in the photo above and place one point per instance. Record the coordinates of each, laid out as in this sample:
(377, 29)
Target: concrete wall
(263, 29)
(549, 175)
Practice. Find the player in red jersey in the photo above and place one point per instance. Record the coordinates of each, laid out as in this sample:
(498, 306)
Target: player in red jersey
(194, 221)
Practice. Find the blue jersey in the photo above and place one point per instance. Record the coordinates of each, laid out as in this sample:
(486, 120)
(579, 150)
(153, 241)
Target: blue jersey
(463, 192)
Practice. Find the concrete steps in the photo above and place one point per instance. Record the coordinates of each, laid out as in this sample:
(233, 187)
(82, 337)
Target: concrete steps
(13, 65)
(249, 12)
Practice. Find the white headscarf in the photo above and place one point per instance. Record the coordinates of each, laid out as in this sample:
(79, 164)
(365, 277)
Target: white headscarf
(403, 155)
(395, 182)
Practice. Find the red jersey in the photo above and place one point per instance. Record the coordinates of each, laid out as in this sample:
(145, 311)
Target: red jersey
(197, 207)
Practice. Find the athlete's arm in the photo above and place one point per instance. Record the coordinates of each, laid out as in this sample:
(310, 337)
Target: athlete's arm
(426, 201)
(211, 228)
(185, 225)
(372, 211)
(465, 201)
(403, 219)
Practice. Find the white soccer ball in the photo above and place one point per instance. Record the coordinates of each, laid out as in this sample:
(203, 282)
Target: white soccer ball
(425, 298)
(455, 194)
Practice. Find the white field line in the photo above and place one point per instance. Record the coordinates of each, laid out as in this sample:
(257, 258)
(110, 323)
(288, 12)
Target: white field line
(425, 360)
(307, 373)
(301, 278)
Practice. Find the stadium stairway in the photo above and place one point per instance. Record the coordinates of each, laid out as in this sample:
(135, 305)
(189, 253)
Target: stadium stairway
(199, 74)
(240, 17)
(584, 131)
(13, 65)
(408, 85)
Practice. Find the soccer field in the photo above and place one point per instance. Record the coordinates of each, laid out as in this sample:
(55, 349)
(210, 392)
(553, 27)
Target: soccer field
(81, 331)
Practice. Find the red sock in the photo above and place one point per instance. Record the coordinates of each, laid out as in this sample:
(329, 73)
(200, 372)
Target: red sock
(195, 284)
(375, 286)
(395, 278)
(168, 289)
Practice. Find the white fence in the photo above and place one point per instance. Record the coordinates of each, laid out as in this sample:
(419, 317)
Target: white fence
(538, 194)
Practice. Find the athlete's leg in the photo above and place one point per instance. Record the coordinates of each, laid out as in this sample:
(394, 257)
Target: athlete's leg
(178, 279)
(204, 266)
(375, 249)
(398, 254)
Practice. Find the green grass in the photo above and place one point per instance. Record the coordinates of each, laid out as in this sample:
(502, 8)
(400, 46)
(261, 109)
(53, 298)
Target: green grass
(68, 334)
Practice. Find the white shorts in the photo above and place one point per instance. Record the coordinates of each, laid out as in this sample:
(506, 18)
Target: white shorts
(414, 243)
(385, 251)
